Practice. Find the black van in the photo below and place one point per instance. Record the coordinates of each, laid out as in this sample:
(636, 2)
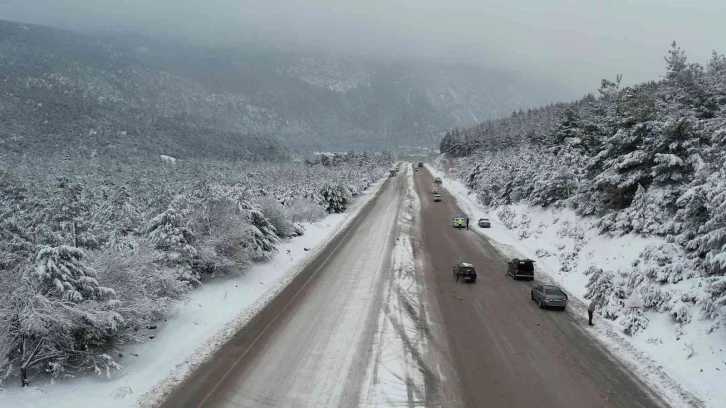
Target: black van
(521, 268)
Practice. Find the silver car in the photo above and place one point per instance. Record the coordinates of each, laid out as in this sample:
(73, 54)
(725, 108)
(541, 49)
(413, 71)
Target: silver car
(549, 295)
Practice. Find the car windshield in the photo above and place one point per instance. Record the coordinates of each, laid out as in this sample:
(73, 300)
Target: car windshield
(553, 291)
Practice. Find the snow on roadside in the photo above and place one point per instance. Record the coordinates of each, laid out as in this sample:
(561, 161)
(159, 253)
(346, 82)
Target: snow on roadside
(213, 314)
(677, 362)
(396, 372)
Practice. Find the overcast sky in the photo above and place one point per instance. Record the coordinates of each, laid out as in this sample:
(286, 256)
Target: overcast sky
(573, 42)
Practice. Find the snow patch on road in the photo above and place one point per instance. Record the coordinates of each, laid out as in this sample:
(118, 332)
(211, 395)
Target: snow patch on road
(677, 362)
(211, 316)
(397, 373)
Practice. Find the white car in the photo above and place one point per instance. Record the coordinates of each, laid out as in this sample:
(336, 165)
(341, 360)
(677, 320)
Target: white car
(434, 191)
(484, 223)
(437, 197)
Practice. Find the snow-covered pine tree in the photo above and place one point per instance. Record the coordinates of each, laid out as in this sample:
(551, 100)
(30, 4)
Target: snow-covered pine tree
(169, 232)
(337, 197)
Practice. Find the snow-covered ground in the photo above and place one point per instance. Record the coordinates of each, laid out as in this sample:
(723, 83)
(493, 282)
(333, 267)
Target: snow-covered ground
(212, 315)
(686, 364)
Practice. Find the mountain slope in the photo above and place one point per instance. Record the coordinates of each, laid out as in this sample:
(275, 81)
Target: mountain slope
(69, 91)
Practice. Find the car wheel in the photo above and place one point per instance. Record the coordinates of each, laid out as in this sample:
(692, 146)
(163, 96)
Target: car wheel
(540, 304)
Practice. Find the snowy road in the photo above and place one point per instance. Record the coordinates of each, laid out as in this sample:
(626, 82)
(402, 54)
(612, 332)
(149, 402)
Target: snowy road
(505, 350)
(312, 345)
(377, 320)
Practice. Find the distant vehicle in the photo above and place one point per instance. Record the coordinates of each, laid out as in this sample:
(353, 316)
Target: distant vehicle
(393, 173)
(484, 223)
(416, 169)
(457, 219)
(420, 164)
(437, 197)
(549, 295)
(521, 268)
(466, 271)
(434, 191)
(437, 180)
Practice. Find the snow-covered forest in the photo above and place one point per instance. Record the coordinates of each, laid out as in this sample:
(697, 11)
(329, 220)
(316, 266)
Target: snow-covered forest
(648, 160)
(94, 252)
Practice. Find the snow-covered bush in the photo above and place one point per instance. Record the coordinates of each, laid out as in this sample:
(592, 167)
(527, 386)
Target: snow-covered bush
(147, 292)
(304, 210)
(336, 197)
(276, 215)
(633, 322)
(506, 215)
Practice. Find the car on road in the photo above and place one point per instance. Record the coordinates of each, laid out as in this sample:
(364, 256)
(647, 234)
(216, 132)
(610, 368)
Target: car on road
(437, 180)
(434, 190)
(521, 268)
(456, 221)
(420, 164)
(437, 197)
(393, 173)
(484, 223)
(549, 296)
(465, 271)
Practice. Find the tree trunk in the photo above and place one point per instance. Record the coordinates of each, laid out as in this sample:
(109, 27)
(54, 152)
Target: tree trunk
(23, 376)
(75, 237)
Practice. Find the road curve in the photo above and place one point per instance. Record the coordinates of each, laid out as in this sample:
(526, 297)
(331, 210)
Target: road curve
(311, 345)
(505, 350)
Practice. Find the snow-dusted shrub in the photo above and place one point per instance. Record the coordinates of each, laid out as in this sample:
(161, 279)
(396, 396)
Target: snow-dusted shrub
(303, 210)
(336, 197)
(652, 296)
(147, 293)
(261, 237)
(59, 318)
(666, 263)
(276, 215)
(633, 322)
(524, 221)
(543, 253)
(507, 216)
(680, 310)
(608, 288)
(568, 261)
(170, 234)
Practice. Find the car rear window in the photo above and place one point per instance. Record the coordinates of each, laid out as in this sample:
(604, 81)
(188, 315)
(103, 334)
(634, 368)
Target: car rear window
(526, 266)
(553, 291)
(466, 269)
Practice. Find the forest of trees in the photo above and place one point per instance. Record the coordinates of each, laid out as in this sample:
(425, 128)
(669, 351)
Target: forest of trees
(93, 252)
(647, 159)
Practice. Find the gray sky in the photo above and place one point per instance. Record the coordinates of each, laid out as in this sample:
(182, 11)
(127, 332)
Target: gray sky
(573, 42)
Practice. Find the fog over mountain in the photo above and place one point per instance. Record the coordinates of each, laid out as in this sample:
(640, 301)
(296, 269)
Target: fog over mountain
(572, 42)
(121, 92)
(218, 76)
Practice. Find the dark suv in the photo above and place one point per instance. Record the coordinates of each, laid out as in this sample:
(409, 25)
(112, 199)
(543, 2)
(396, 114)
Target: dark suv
(466, 271)
(521, 268)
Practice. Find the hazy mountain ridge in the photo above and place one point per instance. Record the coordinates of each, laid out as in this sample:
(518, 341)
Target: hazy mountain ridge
(62, 90)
